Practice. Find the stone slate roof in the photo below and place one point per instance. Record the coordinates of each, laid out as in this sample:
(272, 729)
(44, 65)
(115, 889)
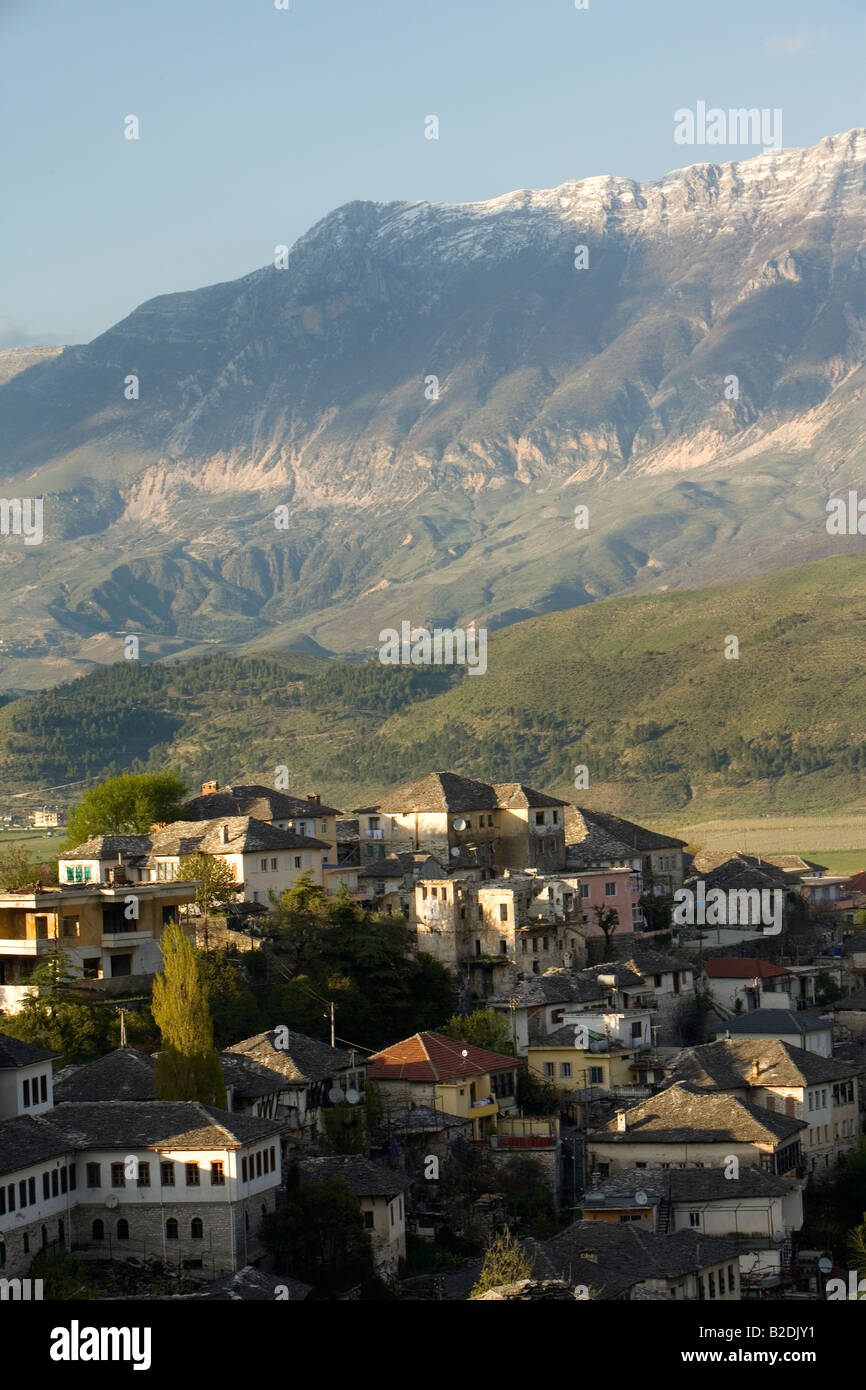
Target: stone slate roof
(245, 836)
(625, 1254)
(606, 834)
(772, 1022)
(433, 1057)
(557, 986)
(419, 1119)
(785, 868)
(855, 944)
(22, 1054)
(361, 1176)
(727, 1063)
(28, 1139)
(156, 1124)
(182, 837)
(263, 803)
(448, 791)
(855, 1001)
(688, 1114)
(511, 795)
(303, 1060)
(738, 872)
(126, 1074)
(684, 1185)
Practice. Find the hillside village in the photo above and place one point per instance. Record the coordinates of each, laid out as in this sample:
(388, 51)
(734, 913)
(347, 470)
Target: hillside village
(647, 1103)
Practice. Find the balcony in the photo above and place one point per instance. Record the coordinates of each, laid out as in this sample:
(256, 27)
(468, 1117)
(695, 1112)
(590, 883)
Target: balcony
(126, 938)
(27, 945)
(487, 1106)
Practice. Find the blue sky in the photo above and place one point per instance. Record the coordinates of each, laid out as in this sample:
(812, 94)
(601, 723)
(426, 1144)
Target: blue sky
(256, 122)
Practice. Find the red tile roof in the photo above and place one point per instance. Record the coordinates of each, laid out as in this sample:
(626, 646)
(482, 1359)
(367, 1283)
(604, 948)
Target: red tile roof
(742, 968)
(432, 1057)
(856, 883)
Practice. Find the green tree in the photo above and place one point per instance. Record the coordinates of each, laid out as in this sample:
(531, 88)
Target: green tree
(483, 1028)
(235, 1011)
(52, 1017)
(187, 1065)
(317, 1234)
(504, 1263)
(535, 1095)
(126, 805)
(18, 872)
(217, 884)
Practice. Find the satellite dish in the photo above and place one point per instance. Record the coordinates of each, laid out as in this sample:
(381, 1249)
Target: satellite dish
(459, 823)
(825, 1265)
(464, 1053)
(640, 1198)
(111, 1201)
(353, 1097)
(455, 852)
(336, 1094)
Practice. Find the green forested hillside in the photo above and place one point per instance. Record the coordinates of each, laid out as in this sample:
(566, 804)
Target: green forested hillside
(636, 689)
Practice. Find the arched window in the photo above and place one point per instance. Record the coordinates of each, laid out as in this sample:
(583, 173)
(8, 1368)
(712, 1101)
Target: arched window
(123, 1229)
(44, 1235)
(264, 1210)
(97, 1231)
(61, 1233)
(196, 1229)
(171, 1229)
(26, 1245)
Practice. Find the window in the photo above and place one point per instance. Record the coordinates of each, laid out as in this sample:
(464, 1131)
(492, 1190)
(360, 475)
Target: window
(584, 890)
(144, 1175)
(171, 1229)
(259, 1164)
(811, 1100)
(97, 1231)
(10, 1195)
(274, 865)
(72, 1177)
(368, 1220)
(503, 946)
(731, 1278)
(166, 1174)
(274, 1156)
(610, 890)
(55, 1183)
(503, 912)
(93, 1178)
(118, 1177)
(217, 1175)
(90, 968)
(637, 1030)
(192, 1174)
(596, 1076)
(70, 926)
(196, 1228)
(524, 945)
(26, 1086)
(26, 1243)
(243, 1169)
(43, 1088)
(263, 865)
(565, 1069)
(478, 948)
(711, 1279)
(46, 1186)
(548, 1069)
(22, 1192)
(123, 1229)
(539, 818)
(556, 818)
(694, 1218)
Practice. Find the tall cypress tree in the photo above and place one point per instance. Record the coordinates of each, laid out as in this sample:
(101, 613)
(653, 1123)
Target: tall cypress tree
(187, 1065)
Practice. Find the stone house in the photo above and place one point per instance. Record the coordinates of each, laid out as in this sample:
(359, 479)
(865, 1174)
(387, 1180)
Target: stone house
(380, 1192)
(458, 1078)
(26, 1078)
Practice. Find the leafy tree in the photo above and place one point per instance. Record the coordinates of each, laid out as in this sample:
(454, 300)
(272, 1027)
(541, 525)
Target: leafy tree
(317, 1234)
(64, 1278)
(18, 872)
(53, 1018)
(504, 1263)
(217, 884)
(535, 1095)
(126, 805)
(658, 911)
(483, 1028)
(187, 1065)
(826, 989)
(857, 1247)
(607, 921)
(234, 1009)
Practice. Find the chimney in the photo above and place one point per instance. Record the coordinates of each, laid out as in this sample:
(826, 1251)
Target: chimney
(621, 1122)
(208, 787)
(755, 1069)
(314, 796)
(224, 834)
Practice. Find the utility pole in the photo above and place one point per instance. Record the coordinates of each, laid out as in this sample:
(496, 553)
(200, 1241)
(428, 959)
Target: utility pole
(331, 1013)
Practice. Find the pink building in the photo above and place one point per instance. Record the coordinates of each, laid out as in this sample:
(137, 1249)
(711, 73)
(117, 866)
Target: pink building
(618, 888)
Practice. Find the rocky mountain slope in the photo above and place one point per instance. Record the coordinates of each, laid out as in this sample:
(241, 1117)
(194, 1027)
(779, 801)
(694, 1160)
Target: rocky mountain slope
(310, 388)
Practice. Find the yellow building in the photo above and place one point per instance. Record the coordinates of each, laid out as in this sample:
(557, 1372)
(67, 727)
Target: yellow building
(453, 1077)
(603, 1063)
